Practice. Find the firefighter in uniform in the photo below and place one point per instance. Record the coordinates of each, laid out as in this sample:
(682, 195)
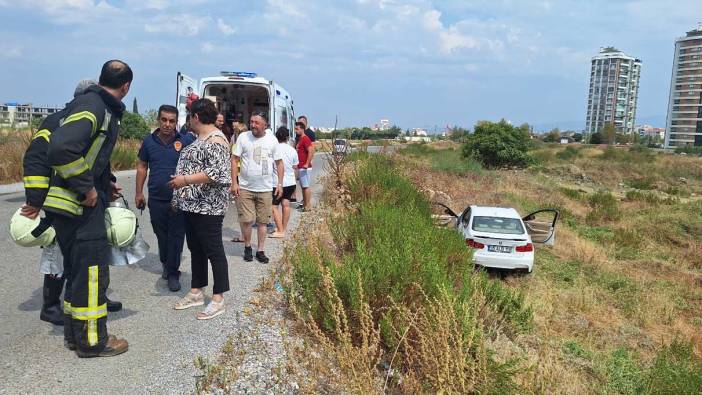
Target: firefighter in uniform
(79, 191)
(37, 173)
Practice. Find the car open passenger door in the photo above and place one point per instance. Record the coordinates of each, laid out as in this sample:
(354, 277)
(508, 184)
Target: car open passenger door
(184, 85)
(541, 226)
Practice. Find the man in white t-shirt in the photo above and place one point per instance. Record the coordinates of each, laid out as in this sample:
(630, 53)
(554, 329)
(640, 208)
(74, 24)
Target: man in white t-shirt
(290, 162)
(256, 151)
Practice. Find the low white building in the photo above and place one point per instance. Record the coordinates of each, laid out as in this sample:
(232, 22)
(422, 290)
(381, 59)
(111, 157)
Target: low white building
(19, 115)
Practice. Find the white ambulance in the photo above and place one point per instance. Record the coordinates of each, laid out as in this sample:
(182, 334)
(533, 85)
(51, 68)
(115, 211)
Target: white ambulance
(237, 95)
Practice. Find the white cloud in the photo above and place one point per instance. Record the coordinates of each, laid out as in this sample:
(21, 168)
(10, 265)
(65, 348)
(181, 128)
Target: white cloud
(10, 52)
(149, 4)
(208, 47)
(224, 28)
(179, 24)
(67, 12)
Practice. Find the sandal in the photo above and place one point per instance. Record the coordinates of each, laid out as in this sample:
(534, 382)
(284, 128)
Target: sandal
(237, 239)
(190, 300)
(276, 235)
(212, 310)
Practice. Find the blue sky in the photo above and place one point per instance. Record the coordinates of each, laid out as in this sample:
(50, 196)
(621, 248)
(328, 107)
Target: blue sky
(419, 63)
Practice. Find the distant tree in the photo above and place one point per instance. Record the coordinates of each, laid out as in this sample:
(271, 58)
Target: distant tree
(609, 133)
(133, 126)
(577, 137)
(498, 145)
(458, 134)
(135, 108)
(36, 121)
(526, 126)
(597, 138)
(623, 138)
(151, 118)
(553, 136)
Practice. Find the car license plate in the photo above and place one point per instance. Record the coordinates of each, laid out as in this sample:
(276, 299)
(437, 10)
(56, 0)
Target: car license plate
(505, 249)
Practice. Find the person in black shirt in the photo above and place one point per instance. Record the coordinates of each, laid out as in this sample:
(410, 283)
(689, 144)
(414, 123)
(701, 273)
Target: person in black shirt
(308, 132)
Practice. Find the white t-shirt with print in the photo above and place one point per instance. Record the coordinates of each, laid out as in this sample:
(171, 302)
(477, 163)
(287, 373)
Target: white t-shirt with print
(257, 156)
(290, 159)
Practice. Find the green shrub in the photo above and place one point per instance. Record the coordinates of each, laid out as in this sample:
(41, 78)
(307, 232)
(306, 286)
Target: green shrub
(444, 160)
(689, 150)
(450, 161)
(124, 155)
(572, 193)
(637, 154)
(573, 348)
(597, 138)
(392, 259)
(543, 156)
(645, 183)
(623, 373)
(569, 153)
(604, 207)
(421, 149)
(499, 145)
(675, 370)
(676, 191)
(601, 234)
(650, 198)
(133, 126)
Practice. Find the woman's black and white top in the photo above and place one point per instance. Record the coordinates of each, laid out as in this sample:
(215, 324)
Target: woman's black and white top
(212, 158)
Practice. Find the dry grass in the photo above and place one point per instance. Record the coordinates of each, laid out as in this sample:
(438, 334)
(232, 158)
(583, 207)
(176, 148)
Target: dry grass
(13, 144)
(633, 282)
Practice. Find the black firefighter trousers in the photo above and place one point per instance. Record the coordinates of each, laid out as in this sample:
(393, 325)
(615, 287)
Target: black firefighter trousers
(83, 242)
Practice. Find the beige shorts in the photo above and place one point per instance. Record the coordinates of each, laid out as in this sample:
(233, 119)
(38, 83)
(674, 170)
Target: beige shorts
(252, 206)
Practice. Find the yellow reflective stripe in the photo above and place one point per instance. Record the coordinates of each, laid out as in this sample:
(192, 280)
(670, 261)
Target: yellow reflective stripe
(67, 307)
(63, 205)
(72, 169)
(106, 121)
(92, 304)
(82, 115)
(36, 182)
(89, 313)
(44, 133)
(65, 194)
(94, 150)
(63, 199)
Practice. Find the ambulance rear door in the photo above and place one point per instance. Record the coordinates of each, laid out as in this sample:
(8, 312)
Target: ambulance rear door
(184, 86)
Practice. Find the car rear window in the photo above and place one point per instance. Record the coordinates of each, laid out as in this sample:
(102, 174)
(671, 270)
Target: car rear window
(507, 226)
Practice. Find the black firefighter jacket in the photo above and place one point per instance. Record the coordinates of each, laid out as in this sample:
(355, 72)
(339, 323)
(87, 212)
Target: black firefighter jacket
(37, 171)
(80, 148)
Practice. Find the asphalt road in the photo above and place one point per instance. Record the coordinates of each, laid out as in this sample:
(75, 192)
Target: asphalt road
(162, 342)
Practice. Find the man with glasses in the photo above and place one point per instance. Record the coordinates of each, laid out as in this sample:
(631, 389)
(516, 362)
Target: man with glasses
(159, 153)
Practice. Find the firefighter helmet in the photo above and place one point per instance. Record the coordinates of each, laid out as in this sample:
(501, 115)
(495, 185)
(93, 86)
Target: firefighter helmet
(121, 224)
(21, 229)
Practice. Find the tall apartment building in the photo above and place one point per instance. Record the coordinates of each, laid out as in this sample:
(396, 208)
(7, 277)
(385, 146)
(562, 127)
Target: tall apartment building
(684, 126)
(614, 90)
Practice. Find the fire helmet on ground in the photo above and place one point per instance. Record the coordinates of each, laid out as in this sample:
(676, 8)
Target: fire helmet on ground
(22, 229)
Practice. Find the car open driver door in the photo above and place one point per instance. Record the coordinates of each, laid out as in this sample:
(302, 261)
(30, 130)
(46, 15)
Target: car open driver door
(541, 226)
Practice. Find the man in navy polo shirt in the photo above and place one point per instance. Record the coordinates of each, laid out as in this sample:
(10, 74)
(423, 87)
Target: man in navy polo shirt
(159, 153)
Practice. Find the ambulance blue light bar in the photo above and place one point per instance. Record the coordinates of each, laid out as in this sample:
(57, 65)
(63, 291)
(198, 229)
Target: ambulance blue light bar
(242, 74)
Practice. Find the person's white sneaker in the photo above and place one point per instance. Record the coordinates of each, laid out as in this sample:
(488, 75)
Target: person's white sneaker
(212, 310)
(190, 300)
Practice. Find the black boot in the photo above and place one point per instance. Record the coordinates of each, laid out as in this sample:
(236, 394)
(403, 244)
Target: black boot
(51, 310)
(113, 305)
